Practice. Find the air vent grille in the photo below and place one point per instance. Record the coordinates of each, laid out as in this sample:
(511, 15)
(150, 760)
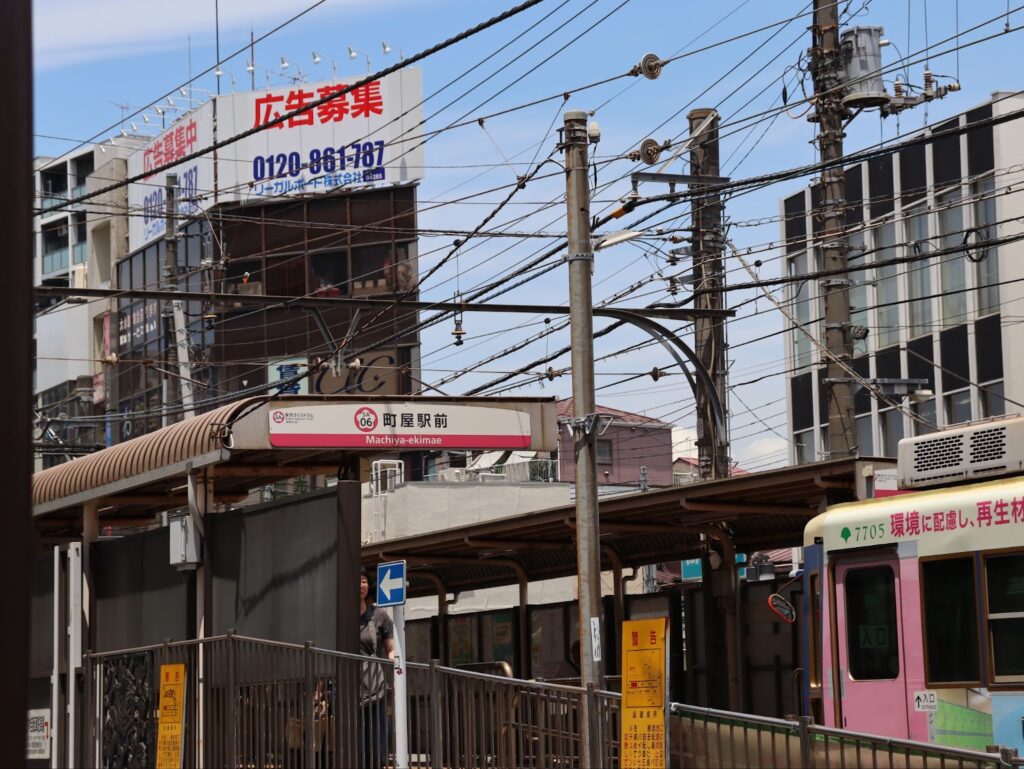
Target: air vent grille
(938, 453)
(988, 445)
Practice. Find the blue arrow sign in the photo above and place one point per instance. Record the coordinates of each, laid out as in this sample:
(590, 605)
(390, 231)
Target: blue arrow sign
(391, 583)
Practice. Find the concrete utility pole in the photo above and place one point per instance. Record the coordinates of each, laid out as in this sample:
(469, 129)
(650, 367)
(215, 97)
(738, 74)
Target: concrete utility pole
(174, 317)
(709, 277)
(584, 422)
(826, 68)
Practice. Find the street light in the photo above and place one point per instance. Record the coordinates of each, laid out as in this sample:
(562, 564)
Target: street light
(614, 238)
(317, 59)
(353, 53)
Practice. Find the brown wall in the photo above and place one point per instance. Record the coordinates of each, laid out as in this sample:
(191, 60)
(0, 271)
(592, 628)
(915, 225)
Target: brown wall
(631, 448)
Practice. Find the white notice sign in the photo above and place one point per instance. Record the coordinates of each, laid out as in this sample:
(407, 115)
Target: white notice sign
(926, 701)
(395, 425)
(38, 735)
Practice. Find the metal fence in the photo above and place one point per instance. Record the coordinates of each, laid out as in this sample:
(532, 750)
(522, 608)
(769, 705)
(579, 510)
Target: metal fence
(254, 704)
(703, 738)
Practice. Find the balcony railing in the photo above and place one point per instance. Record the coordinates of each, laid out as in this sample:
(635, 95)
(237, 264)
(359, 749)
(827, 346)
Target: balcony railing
(530, 471)
(79, 253)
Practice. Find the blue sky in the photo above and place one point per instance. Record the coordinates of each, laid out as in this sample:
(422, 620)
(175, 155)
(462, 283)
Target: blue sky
(136, 51)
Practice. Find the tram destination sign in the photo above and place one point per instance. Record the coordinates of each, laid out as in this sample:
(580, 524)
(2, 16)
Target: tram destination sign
(398, 425)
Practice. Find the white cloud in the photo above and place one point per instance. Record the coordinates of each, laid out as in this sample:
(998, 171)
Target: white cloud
(73, 31)
(762, 453)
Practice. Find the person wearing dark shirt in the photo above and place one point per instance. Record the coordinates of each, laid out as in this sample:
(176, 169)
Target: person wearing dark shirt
(376, 639)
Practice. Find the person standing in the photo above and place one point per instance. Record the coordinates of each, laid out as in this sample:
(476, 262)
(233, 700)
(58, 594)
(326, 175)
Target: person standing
(376, 639)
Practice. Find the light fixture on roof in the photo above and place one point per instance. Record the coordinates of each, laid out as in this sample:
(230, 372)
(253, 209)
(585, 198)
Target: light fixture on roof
(218, 72)
(250, 67)
(182, 91)
(284, 63)
(145, 118)
(159, 111)
(134, 127)
(352, 53)
(385, 47)
(170, 101)
(316, 58)
(124, 133)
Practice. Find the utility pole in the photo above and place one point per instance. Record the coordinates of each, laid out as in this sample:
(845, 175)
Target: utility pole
(709, 277)
(829, 113)
(174, 316)
(584, 421)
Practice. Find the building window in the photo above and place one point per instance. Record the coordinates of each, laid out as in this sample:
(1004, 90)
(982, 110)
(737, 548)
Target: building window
(950, 621)
(925, 411)
(803, 444)
(860, 281)
(986, 259)
(991, 399)
(865, 443)
(886, 286)
(958, 407)
(872, 636)
(1004, 587)
(919, 282)
(800, 298)
(891, 422)
(604, 452)
(952, 267)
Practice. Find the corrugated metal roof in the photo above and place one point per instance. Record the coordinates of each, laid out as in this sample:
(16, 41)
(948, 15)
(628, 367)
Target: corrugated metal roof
(170, 445)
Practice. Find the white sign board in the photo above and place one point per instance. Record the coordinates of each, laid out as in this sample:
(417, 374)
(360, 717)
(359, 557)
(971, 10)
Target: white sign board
(403, 425)
(147, 198)
(371, 135)
(280, 370)
(926, 701)
(595, 637)
(38, 747)
(367, 136)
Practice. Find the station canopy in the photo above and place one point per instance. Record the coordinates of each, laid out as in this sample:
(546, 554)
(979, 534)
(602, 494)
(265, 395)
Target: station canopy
(256, 441)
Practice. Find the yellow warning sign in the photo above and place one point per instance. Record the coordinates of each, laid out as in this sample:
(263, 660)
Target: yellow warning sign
(171, 725)
(643, 694)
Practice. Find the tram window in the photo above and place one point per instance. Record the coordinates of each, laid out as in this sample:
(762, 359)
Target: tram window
(1004, 582)
(950, 620)
(872, 636)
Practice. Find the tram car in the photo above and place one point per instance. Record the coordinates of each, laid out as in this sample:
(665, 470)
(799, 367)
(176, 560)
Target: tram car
(915, 601)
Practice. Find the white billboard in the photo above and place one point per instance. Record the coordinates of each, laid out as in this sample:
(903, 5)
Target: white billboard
(368, 136)
(356, 138)
(147, 198)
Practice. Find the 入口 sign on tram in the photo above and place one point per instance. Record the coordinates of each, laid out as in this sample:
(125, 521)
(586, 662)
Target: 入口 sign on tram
(398, 425)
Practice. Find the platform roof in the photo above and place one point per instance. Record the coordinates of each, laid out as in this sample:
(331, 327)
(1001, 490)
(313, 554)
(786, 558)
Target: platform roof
(760, 511)
(134, 480)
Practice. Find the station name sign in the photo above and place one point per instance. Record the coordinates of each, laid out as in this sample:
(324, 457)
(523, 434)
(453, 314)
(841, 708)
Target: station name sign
(404, 425)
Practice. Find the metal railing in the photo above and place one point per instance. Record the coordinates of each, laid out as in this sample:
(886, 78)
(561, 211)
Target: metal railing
(527, 471)
(704, 738)
(252, 703)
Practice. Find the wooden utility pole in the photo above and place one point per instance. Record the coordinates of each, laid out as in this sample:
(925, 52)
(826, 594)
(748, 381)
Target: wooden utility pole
(708, 274)
(829, 113)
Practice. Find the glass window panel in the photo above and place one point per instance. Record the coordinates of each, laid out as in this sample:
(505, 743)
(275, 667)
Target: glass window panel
(804, 445)
(919, 283)
(992, 401)
(951, 620)
(1004, 582)
(604, 452)
(886, 286)
(925, 410)
(865, 443)
(328, 273)
(859, 290)
(800, 308)
(892, 431)
(952, 267)
(871, 633)
(958, 407)
(986, 268)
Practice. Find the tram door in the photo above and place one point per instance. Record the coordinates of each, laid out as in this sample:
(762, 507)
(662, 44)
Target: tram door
(871, 676)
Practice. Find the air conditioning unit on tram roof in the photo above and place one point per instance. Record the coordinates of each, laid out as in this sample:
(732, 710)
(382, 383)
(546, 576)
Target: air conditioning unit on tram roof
(971, 451)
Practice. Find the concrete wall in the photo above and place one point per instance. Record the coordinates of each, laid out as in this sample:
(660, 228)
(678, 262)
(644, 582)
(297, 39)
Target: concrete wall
(1009, 153)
